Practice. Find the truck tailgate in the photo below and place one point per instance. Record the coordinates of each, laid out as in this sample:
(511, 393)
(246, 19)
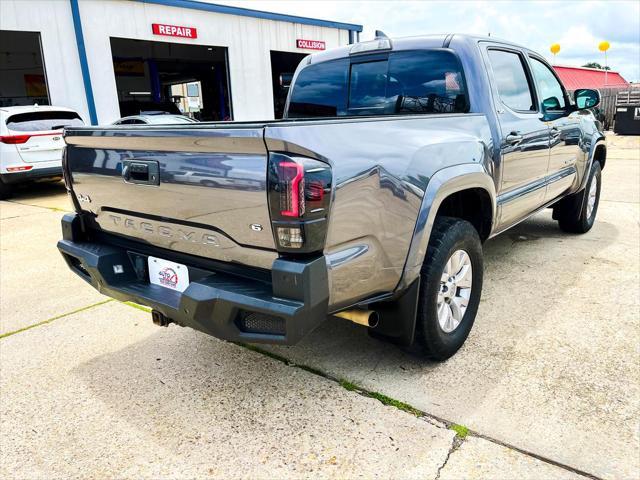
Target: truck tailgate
(193, 190)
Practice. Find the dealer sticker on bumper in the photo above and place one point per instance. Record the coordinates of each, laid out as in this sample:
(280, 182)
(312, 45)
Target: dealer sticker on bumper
(174, 276)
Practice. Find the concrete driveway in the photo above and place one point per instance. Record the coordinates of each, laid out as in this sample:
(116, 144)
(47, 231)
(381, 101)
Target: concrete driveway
(547, 386)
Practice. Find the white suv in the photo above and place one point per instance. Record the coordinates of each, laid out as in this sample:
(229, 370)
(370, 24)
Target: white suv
(31, 143)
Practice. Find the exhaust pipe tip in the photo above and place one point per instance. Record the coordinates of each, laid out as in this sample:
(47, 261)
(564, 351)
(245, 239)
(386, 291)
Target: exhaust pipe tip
(374, 319)
(368, 318)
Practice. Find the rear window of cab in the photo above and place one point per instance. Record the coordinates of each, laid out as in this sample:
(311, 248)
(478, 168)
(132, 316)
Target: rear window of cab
(396, 83)
(43, 121)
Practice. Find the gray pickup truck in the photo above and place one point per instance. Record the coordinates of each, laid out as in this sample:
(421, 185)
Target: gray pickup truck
(370, 201)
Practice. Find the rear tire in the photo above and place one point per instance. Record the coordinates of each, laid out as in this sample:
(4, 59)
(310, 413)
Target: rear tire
(577, 213)
(450, 288)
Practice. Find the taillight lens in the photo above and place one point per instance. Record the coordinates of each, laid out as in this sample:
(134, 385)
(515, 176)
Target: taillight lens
(14, 139)
(299, 196)
(291, 180)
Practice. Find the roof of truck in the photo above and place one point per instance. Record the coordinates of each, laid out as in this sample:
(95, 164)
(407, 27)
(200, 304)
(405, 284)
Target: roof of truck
(414, 42)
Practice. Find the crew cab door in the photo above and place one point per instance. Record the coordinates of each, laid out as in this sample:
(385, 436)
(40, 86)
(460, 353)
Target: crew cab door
(564, 133)
(524, 136)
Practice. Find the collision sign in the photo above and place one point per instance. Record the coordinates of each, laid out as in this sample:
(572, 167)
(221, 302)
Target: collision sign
(174, 30)
(311, 44)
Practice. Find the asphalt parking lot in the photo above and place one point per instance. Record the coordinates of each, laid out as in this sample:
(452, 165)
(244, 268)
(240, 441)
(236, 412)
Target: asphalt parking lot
(547, 385)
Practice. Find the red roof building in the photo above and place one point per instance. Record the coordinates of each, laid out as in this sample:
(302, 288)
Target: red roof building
(582, 77)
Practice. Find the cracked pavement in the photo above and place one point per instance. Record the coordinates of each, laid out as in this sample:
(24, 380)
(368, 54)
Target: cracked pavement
(548, 382)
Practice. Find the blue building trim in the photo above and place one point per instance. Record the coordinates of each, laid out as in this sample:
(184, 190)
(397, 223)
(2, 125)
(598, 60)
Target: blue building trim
(84, 66)
(246, 12)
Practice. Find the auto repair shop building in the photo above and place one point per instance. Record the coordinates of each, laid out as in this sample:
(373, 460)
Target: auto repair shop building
(111, 58)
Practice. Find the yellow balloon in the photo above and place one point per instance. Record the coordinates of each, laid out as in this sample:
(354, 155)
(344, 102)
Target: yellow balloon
(555, 48)
(603, 46)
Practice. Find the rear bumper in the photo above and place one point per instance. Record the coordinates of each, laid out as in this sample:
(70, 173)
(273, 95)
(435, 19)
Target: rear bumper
(228, 306)
(34, 174)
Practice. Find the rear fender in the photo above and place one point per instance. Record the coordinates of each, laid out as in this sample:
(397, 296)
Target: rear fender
(441, 185)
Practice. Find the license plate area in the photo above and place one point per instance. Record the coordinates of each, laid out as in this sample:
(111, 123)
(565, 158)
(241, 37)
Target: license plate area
(167, 274)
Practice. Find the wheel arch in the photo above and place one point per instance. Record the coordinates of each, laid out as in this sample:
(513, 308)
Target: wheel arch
(448, 192)
(600, 154)
(597, 153)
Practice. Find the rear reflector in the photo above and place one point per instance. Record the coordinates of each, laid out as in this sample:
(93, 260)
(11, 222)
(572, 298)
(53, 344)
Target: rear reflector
(14, 139)
(19, 169)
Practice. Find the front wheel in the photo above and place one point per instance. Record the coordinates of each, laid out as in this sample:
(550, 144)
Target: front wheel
(451, 284)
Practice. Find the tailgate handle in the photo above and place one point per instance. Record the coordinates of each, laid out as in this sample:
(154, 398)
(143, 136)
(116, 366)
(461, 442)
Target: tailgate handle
(141, 172)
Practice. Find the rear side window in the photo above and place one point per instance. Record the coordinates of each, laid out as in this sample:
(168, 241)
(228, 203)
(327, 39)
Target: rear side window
(320, 90)
(428, 81)
(46, 120)
(511, 80)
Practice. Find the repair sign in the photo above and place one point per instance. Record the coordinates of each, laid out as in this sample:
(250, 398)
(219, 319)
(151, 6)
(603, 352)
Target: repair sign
(174, 30)
(311, 44)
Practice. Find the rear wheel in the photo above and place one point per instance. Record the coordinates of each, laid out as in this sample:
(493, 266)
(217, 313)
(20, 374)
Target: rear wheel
(577, 212)
(451, 284)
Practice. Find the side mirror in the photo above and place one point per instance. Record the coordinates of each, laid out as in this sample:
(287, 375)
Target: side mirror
(586, 98)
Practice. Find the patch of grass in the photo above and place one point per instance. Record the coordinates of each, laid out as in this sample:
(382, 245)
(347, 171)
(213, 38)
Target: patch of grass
(347, 385)
(391, 402)
(461, 430)
(139, 307)
(49, 320)
(405, 407)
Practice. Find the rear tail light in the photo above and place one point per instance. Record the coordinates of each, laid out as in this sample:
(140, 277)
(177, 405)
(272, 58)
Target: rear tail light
(14, 139)
(24, 138)
(299, 195)
(291, 178)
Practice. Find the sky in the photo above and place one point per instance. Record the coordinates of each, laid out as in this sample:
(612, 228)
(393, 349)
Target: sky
(578, 26)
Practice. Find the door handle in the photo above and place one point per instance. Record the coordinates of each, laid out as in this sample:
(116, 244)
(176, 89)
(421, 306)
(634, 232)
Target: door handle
(514, 138)
(555, 133)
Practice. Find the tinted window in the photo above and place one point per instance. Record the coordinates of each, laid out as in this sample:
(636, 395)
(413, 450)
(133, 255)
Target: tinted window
(427, 82)
(368, 82)
(130, 121)
(320, 90)
(46, 120)
(511, 80)
(551, 94)
(405, 82)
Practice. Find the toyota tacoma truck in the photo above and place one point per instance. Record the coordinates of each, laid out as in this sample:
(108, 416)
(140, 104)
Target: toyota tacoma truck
(369, 201)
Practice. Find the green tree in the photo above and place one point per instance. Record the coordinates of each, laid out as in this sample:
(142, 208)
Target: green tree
(595, 65)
